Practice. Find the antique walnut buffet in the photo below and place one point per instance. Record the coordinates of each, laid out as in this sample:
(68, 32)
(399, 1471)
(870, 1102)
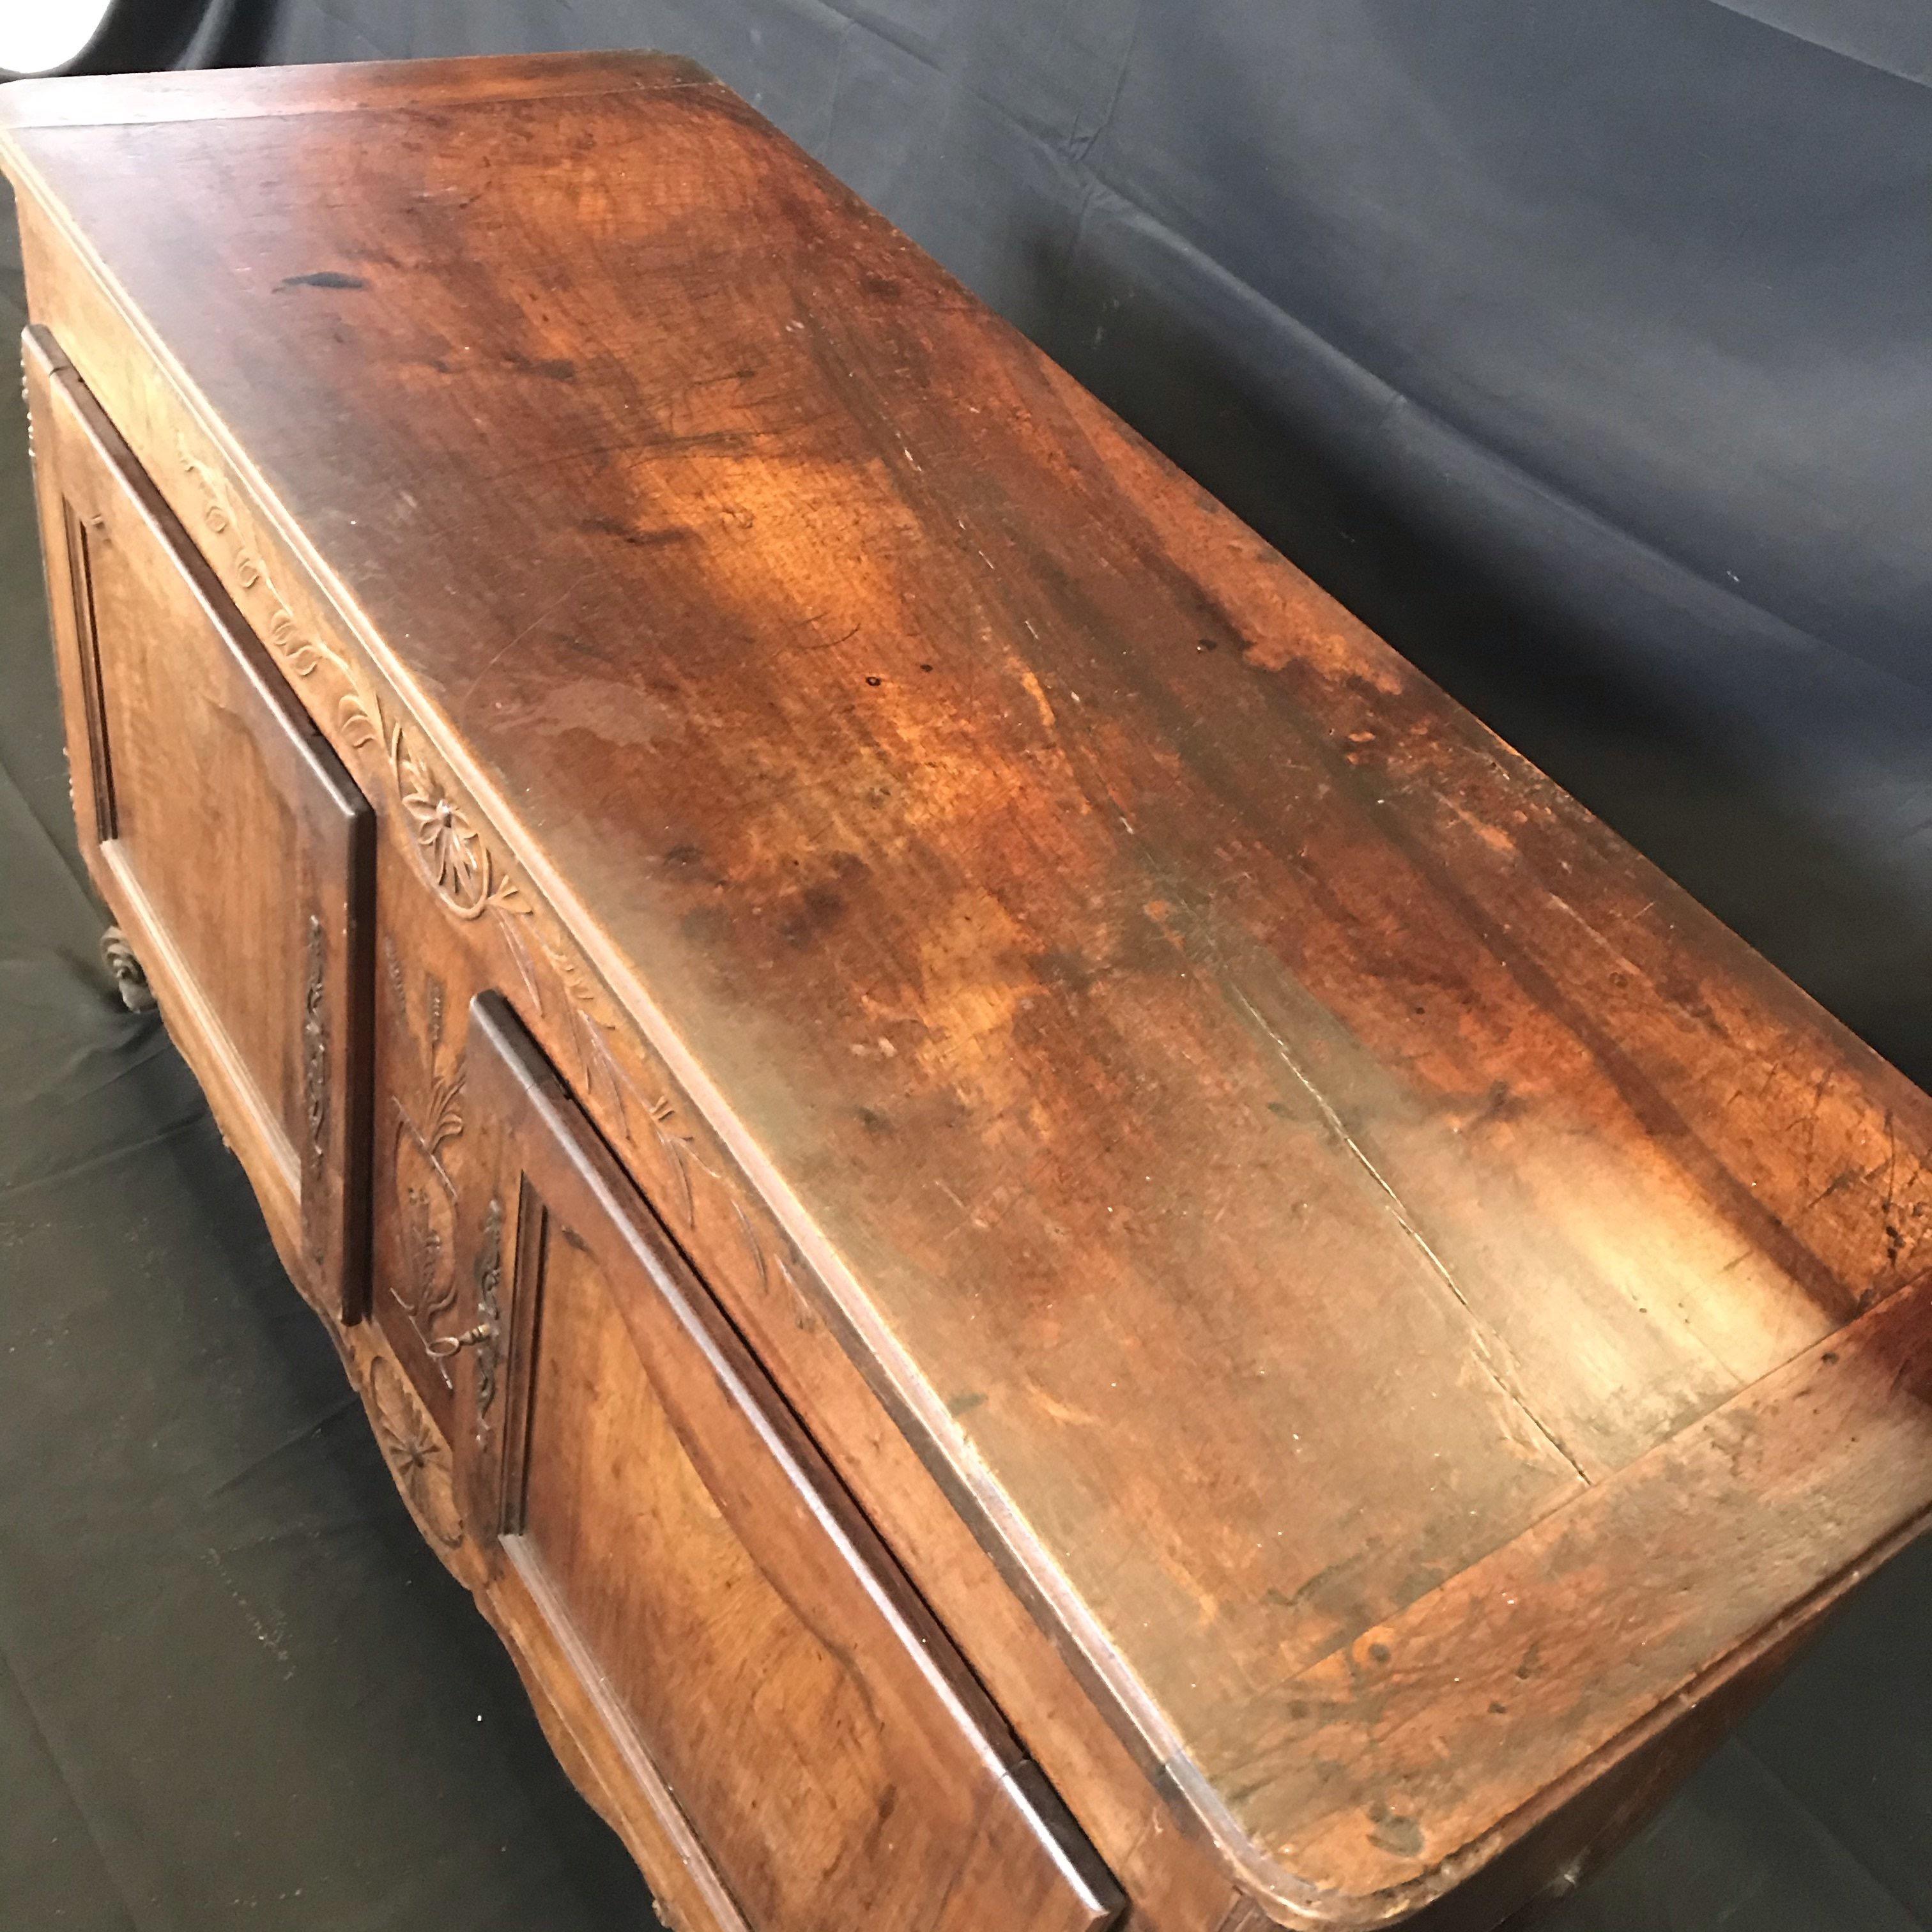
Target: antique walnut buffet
(1055, 1249)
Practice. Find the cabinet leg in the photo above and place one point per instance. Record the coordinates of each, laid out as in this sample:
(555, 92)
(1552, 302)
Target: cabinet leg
(117, 956)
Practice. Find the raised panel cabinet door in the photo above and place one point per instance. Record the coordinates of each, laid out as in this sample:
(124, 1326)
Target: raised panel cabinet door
(235, 852)
(754, 1646)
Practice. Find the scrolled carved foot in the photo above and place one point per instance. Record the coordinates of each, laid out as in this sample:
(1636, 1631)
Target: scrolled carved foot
(117, 956)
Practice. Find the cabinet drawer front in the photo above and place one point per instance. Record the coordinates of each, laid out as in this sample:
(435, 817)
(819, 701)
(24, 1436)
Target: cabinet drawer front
(748, 1632)
(226, 835)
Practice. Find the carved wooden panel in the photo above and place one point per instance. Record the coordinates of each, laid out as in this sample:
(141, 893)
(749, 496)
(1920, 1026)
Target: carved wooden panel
(417, 1455)
(235, 852)
(662, 1503)
(418, 1296)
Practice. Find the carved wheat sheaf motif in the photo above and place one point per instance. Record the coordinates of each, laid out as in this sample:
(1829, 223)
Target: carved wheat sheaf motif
(424, 1286)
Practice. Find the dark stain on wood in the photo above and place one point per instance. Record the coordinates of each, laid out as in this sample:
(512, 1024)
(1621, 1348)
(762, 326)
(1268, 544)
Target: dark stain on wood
(323, 278)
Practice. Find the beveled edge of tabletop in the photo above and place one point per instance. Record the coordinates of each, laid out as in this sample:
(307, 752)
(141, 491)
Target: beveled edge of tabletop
(1287, 1818)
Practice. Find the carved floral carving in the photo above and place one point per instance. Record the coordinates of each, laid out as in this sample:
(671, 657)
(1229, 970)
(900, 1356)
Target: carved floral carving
(773, 1268)
(470, 878)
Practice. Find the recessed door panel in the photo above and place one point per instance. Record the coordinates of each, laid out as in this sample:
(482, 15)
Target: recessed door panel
(233, 848)
(753, 1641)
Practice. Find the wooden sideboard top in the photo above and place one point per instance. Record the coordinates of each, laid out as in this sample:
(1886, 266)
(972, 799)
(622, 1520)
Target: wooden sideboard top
(1411, 1296)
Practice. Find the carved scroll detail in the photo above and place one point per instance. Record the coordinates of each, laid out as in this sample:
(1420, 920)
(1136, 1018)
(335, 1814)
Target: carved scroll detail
(315, 1053)
(489, 1329)
(358, 710)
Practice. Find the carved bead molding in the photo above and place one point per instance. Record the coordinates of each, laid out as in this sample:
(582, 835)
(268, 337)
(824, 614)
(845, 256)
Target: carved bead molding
(471, 879)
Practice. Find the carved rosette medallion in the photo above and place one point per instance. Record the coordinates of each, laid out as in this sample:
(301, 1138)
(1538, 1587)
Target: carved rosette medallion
(415, 1453)
(455, 857)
